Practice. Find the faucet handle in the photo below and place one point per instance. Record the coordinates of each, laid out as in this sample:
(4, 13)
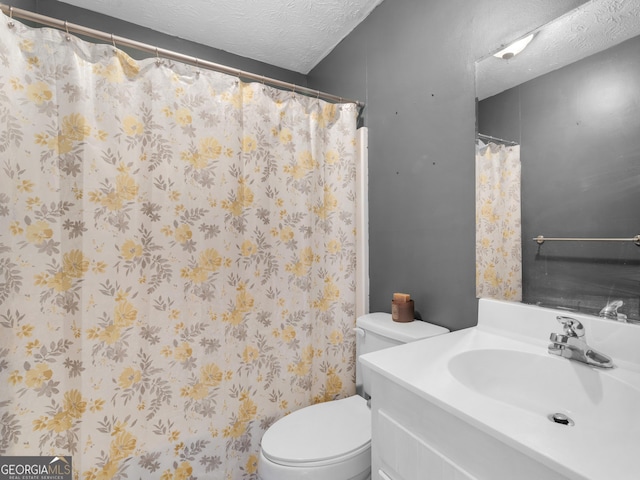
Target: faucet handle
(610, 310)
(571, 326)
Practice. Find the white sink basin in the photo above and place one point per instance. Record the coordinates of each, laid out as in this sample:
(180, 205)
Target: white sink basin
(499, 379)
(545, 385)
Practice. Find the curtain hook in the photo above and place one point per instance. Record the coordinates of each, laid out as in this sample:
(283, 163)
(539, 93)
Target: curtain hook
(158, 61)
(66, 29)
(113, 42)
(11, 24)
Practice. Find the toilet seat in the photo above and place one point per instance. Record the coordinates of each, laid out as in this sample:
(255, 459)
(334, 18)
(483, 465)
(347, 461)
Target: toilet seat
(323, 434)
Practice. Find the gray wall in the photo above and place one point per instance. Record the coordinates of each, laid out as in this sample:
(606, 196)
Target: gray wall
(579, 130)
(412, 62)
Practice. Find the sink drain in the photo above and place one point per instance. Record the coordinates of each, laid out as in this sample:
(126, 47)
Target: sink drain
(561, 419)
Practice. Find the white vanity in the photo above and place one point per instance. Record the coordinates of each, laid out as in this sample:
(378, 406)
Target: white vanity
(491, 403)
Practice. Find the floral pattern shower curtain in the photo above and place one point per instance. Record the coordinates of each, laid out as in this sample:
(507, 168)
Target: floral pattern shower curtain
(498, 237)
(177, 259)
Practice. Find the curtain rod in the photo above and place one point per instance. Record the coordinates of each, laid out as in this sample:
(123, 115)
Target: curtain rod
(161, 52)
(496, 139)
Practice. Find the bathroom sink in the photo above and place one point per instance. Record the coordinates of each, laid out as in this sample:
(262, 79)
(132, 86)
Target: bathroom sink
(498, 384)
(545, 385)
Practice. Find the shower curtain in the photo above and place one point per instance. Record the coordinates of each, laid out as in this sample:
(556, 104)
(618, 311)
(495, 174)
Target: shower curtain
(498, 237)
(177, 259)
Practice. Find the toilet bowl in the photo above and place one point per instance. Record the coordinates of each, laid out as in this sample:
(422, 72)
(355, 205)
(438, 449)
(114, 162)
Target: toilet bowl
(332, 440)
(329, 440)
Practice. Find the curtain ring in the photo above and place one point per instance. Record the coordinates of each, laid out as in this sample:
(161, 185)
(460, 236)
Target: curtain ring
(113, 41)
(158, 61)
(197, 66)
(66, 29)
(11, 24)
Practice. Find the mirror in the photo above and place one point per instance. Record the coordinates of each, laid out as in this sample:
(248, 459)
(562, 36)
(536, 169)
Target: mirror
(571, 100)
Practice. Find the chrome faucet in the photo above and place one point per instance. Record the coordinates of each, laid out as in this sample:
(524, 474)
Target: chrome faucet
(610, 311)
(572, 345)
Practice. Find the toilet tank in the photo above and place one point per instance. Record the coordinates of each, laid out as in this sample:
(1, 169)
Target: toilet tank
(376, 331)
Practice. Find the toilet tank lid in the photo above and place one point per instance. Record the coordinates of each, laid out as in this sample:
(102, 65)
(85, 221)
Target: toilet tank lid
(382, 324)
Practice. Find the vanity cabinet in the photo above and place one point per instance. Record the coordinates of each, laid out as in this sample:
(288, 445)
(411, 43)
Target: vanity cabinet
(404, 455)
(415, 439)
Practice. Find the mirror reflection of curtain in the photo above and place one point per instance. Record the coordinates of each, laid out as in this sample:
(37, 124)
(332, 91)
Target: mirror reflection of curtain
(498, 237)
(177, 259)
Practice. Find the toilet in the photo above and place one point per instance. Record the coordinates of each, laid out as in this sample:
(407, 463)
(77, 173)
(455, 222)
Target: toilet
(332, 440)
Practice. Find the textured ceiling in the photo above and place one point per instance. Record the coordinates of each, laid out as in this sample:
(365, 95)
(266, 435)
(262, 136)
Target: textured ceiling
(291, 34)
(591, 28)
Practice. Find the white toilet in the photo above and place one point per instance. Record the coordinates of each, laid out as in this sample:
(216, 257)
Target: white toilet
(332, 440)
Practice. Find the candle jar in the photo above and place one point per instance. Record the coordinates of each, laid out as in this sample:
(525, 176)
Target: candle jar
(402, 311)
